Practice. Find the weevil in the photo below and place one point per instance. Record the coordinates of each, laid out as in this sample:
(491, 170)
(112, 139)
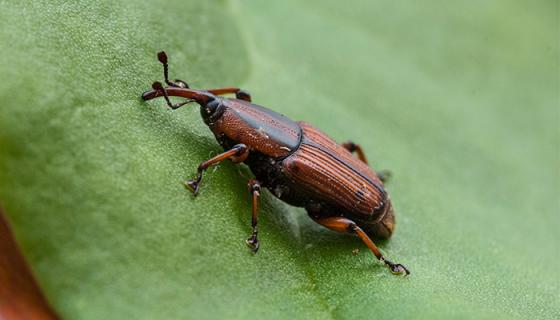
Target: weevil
(296, 162)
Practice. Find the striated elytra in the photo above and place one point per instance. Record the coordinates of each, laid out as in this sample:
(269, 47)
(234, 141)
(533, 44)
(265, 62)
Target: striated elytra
(295, 161)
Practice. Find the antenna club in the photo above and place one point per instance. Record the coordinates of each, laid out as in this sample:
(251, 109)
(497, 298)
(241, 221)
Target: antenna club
(162, 57)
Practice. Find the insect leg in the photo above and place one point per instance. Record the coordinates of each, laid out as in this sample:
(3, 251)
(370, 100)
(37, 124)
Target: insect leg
(237, 153)
(352, 147)
(239, 93)
(383, 175)
(255, 190)
(342, 224)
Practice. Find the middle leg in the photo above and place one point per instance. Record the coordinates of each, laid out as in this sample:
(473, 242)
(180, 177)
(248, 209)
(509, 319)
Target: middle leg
(255, 190)
(383, 175)
(352, 147)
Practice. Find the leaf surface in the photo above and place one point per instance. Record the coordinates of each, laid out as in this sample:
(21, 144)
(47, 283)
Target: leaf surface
(459, 101)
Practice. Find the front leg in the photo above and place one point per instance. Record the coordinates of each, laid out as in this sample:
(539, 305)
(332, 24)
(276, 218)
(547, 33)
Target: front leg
(255, 190)
(239, 93)
(342, 224)
(237, 153)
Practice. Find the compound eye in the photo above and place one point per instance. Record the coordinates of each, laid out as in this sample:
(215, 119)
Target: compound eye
(212, 110)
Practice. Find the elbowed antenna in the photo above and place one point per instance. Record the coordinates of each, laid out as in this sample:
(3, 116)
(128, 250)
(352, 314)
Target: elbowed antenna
(200, 97)
(177, 88)
(162, 57)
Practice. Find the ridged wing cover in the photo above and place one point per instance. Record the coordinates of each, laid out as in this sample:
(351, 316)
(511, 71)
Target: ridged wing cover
(333, 174)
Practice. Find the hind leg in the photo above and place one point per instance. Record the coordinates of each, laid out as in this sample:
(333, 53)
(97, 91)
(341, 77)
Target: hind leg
(342, 224)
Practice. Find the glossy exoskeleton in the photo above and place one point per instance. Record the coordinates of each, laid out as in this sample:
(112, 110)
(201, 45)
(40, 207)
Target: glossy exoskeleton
(295, 161)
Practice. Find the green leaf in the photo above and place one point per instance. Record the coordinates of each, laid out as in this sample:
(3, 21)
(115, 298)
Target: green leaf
(459, 100)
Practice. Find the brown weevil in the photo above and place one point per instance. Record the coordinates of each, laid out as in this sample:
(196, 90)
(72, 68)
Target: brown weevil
(295, 161)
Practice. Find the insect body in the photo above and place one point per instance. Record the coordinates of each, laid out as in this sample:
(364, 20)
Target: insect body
(298, 163)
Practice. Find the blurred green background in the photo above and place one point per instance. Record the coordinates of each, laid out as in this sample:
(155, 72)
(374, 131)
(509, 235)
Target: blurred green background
(459, 99)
